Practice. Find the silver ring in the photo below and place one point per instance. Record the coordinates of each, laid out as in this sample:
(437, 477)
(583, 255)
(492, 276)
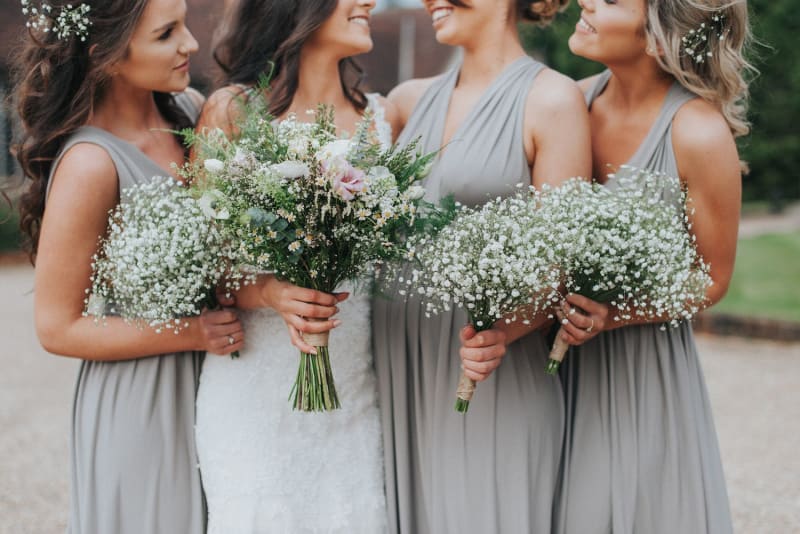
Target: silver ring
(231, 341)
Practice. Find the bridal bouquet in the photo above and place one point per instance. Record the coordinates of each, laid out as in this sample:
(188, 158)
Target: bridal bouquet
(161, 259)
(628, 245)
(297, 200)
(498, 261)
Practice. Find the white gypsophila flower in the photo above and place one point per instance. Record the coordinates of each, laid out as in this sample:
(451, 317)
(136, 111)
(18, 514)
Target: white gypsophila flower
(214, 165)
(290, 169)
(160, 259)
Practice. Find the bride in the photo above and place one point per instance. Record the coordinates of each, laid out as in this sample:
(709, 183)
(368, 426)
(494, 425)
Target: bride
(266, 468)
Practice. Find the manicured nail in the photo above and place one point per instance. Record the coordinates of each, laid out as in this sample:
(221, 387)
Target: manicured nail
(336, 322)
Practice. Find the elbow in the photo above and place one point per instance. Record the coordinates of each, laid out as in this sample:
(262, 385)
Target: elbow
(51, 336)
(717, 292)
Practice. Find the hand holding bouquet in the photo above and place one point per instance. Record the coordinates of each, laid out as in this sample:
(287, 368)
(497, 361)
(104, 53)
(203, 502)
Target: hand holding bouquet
(295, 199)
(628, 245)
(497, 261)
(161, 260)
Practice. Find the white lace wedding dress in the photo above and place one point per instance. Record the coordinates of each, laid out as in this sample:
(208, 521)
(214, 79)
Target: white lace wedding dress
(268, 469)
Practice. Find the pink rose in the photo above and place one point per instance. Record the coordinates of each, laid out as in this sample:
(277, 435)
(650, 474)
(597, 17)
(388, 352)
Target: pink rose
(346, 179)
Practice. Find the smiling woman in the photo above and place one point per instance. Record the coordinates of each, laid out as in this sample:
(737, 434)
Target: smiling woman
(100, 85)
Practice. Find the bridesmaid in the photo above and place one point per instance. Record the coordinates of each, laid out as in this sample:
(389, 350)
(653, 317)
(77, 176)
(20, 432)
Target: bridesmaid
(503, 119)
(640, 453)
(96, 103)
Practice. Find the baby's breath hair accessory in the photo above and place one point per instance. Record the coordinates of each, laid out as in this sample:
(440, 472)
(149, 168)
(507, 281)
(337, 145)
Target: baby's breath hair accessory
(697, 43)
(65, 22)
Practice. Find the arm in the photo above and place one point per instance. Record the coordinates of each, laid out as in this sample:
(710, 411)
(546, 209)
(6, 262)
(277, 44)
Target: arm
(708, 163)
(84, 189)
(403, 99)
(558, 144)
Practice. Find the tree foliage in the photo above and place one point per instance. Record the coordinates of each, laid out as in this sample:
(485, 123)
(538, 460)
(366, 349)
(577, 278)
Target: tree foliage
(772, 150)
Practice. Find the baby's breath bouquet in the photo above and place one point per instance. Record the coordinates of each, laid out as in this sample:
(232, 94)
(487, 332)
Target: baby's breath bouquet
(628, 245)
(312, 207)
(497, 261)
(161, 259)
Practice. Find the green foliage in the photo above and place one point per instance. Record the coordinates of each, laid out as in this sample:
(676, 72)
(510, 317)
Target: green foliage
(773, 148)
(766, 282)
(10, 238)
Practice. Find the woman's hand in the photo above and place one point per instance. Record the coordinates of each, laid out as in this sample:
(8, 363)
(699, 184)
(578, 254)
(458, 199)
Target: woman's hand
(481, 352)
(582, 318)
(305, 311)
(221, 331)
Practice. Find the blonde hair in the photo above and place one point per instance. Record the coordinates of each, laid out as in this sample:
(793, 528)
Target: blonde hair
(721, 77)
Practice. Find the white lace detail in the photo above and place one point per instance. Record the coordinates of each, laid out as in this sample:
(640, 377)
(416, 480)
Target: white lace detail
(266, 468)
(382, 126)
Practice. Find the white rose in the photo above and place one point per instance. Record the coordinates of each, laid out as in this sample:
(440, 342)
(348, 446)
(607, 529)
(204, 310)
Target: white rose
(290, 169)
(334, 149)
(415, 192)
(214, 165)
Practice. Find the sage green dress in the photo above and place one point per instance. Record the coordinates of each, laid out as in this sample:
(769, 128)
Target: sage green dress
(494, 469)
(133, 460)
(641, 453)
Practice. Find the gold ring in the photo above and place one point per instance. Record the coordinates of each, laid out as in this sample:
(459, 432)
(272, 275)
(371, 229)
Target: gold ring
(231, 341)
(591, 326)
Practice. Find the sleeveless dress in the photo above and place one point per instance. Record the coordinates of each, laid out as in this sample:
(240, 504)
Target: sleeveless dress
(494, 469)
(133, 458)
(267, 468)
(641, 453)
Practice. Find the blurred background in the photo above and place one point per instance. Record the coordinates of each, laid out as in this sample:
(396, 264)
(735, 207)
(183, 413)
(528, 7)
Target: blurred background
(751, 376)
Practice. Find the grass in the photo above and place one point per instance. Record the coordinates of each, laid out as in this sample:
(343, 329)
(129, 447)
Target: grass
(766, 281)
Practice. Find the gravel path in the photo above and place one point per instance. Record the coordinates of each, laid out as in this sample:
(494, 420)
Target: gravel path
(753, 387)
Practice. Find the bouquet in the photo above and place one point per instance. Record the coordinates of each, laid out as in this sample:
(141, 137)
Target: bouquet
(497, 261)
(161, 259)
(315, 209)
(628, 245)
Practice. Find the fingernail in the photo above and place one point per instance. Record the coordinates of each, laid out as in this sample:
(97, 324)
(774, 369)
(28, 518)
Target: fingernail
(336, 322)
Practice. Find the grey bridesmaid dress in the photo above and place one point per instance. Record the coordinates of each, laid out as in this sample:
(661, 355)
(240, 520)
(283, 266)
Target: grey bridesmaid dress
(133, 460)
(640, 452)
(494, 469)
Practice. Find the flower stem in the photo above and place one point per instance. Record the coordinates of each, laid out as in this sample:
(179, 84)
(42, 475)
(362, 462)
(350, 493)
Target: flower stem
(314, 389)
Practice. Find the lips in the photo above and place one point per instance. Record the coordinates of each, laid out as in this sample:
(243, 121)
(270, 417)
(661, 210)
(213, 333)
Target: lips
(361, 20)
(584, 25)
(440, 13)
(184, 65)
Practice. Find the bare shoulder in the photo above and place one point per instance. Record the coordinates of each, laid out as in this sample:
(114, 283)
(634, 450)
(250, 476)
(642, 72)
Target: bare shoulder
(405, 96)
(221, 108)
(703, 142)
(587, 83)
(86, 169)
(699, 126)
(554, 93)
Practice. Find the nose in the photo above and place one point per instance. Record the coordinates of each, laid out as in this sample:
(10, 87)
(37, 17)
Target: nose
(189, 44)
(588, 5)
(369, 4)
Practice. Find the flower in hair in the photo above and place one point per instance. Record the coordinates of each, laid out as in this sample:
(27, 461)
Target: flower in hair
(65, 22)
(697, 43)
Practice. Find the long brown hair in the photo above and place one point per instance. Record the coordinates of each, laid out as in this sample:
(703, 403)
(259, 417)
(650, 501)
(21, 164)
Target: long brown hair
(264, 38)
(57, 84)
(539, 12)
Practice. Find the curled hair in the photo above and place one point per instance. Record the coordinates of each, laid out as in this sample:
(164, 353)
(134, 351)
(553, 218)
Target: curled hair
(264, 38)
(721, 77)
(57, 84)
(539, 12)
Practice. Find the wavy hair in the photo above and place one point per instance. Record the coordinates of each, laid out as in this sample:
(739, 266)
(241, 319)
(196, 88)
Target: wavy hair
(57, 84)
(264, 38)
(539, 12)
(721, 78)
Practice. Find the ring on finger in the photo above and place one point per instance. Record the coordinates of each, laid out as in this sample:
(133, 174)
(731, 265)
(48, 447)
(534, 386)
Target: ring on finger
(231, 340)
(591, 326)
